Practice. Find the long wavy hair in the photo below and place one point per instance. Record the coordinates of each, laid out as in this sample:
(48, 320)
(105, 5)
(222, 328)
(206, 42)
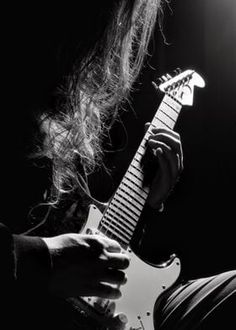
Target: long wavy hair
(101, 68)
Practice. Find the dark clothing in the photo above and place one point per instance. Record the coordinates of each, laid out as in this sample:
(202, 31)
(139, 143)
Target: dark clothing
(24, 275)
(205, 303)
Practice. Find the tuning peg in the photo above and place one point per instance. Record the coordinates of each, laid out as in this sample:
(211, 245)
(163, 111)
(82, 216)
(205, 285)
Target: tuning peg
(155, 85)
(177, 71)
(165, 77)
(161, 80)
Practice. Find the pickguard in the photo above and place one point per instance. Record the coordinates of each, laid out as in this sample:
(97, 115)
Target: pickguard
(145, 283)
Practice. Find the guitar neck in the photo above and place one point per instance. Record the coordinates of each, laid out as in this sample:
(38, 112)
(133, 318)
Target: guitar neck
(123, 212)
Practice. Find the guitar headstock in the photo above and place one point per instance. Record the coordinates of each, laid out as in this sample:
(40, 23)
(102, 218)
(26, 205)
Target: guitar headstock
(181, 86)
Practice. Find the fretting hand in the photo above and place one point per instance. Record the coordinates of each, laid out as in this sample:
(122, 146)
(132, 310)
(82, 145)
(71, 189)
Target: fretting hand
(166, 164)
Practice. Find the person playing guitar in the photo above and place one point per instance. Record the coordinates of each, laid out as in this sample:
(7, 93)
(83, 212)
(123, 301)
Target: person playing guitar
(74, 66)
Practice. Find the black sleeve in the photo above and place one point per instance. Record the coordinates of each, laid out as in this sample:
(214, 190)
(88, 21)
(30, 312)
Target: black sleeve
(25, 262)
(33, 263)
(25, 267)
(7, 257)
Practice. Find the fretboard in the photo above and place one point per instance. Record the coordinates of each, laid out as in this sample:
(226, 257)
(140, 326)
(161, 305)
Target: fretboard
(123, 212)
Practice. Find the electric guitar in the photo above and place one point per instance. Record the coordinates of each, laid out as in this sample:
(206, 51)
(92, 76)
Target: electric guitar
(119, 220)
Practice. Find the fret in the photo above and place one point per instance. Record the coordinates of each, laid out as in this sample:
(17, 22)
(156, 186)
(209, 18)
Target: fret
(108, 219)
(129, 198)
(117, 207)
(138, 157)
(137, 168)
(146, 136)
(139, 153)
(145, 139)
(143, 147)
(114, 230)
(151, 125)
(174, 104)
(108, 224)
(118, 217)
(137, 164)
(127, 181)
(170, 106)
(108, 232)
(128, 203)
(136, 174)
(131, 195)
(165, 113)
(161, 123)
(164, 119)
(129, 222)
(169, 112)
(128, 206)
(138, 193)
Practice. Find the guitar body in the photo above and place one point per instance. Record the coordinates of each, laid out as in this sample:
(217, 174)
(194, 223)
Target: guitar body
(145, 283)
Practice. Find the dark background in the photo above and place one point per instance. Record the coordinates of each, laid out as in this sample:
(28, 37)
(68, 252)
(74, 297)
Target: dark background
(198, 220)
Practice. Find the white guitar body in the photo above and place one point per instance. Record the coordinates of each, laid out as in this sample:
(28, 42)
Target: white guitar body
(145, 283)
